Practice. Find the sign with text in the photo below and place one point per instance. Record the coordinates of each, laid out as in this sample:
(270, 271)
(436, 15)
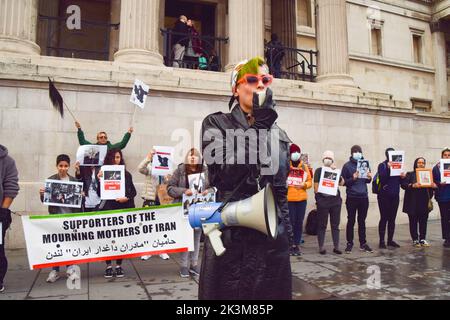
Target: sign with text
(445, 170)
(397, 160)
(329, 181)
(59, 240)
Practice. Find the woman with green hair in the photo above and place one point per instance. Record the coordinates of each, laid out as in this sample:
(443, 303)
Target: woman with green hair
(254, 266)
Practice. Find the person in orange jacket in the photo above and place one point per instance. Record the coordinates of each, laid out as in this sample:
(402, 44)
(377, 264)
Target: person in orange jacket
(299, 180)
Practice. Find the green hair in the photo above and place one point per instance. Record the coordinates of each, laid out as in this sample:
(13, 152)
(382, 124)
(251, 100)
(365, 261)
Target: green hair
(251, 67)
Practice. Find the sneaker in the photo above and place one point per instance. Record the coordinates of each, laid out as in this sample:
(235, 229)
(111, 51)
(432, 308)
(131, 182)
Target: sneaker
(365, 247)
(70, 270)
(108, 272)
(393, 244)
(145, 258)
(164, 256)
(416, 243)
(349, 248)
(184, 272)
(53, 276)
(337, 251)
(382, 245)
(2, 288)
(195, 270)
(295, 251)
(292, 251)
(119, 272)
(323, 251)
(424, 243)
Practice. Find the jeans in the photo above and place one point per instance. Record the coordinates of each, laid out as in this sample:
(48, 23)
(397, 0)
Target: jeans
(297, 211)
(444, 208)
(357, 206)
(192, 255)
(323, 210)
(388, 205)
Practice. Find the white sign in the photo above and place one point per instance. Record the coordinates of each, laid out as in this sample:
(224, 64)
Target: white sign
(162, 164)
(112, 183)
(397, 159)
(139, 93)
(91, 155)
(297, 176)
(363, 168)
(60, 193)
(197, 182)
(329, 181)
(445, 170)
(60, 240)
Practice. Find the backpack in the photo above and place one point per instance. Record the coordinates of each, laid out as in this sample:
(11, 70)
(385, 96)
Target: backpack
(376, 184)
(311, 223)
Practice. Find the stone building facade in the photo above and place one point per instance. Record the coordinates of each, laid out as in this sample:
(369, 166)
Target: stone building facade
(381, 79)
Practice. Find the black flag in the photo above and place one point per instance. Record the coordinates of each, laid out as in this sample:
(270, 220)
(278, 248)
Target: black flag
(56, 98)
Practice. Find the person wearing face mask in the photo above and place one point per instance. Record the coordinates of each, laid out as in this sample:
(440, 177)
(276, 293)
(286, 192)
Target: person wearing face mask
(297, 196)
(443, 198)
(357, 201)
(254, 266)
(328, 205)
(388, 201)
(179, 185)
(415, 204)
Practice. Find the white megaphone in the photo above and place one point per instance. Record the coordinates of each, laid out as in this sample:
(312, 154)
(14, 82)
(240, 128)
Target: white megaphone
(258, 212)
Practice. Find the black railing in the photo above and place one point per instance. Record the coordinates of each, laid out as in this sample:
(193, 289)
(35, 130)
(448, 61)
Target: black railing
(90, 32)
(198, 52)
(291, 63)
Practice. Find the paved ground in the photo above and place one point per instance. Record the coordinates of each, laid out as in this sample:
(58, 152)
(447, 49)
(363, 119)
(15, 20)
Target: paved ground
(405, 273)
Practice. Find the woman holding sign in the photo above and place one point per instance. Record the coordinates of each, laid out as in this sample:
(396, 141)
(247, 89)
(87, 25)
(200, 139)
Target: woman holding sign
(328, 199)
(417, 204)
(192, 171)
(115, 157)
(441, 176)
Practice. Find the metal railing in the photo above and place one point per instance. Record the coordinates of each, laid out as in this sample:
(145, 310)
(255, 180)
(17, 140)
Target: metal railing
(53, 26)
(291, 63)
(198, 52)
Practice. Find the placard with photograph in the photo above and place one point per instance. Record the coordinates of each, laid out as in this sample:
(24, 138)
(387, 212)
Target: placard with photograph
(424, 177)
(397, 159)
(329, 181)
(162, 164)
(297, 176)
(59, 193)
(445, 170)
(91, 155)
(139, 93)
(112, 183)
(197, 182)
(304, 157)
(187, 201)
(363, 168)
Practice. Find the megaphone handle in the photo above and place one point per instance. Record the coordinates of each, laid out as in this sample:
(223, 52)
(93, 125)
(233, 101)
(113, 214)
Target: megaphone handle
(212, 231)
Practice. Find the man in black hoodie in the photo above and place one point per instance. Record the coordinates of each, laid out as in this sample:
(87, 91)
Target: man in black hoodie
(9, 188)
(357, 199)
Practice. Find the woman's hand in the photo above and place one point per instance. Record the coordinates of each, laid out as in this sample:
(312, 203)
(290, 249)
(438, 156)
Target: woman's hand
(41, 191)
(204, 193)
(151, 154)
(100, 174)
(122, 200)
(188, 192)
(77, 166)
(416, 185)
(356, 175)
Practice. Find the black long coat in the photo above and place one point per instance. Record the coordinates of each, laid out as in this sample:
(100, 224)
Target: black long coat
(416, 199)
(253, 266)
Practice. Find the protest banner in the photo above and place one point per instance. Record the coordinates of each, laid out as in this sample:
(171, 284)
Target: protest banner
(112, 183)
(329, 181)
(68, 239)
(397, 159)
(91, 155)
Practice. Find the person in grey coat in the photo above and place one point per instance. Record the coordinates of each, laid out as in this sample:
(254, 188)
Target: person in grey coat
(9, 188)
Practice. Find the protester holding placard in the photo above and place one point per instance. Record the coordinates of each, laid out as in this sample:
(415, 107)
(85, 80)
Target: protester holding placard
(443, 198)
(62, 165)
(357, 201)
(89, 177)
(179, 186)
(388, 201)
(299, 180)
(417, 204)
(102, 138)
(115, 157)
(328, 204)
(9, 188)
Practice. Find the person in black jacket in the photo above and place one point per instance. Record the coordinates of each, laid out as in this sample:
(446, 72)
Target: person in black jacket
(415, 204)
(115, 157)
(357, 199)
(253, 266)
(180, 40)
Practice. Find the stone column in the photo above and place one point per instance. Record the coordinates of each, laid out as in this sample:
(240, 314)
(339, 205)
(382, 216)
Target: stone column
(18, 24)
(114, 34)
(284, 24)
(246, 30)
(440, 102)
(332, 43)
(139, 32)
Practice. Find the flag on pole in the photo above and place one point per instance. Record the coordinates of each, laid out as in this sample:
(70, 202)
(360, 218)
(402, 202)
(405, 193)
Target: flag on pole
(139, 93)
(56, 98)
